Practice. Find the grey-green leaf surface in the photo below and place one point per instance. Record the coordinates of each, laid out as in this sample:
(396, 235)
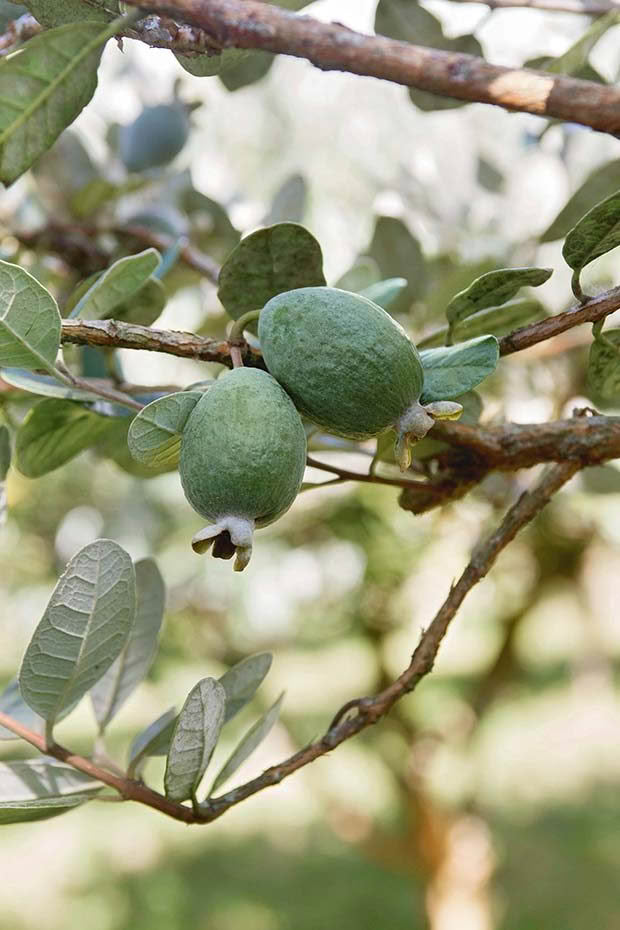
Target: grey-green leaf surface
(195, 736)
(453, 370)
(399, 255)
(154, 437)
(268, 262)
(255, 735)
(289, 202)
(498, 321)
(13, 704)
(44, 385)
(29, 319)
(362, 274)
(34, 789)
(153, 741)
(242, 681)
(408, 21)
(144, 306)
(5, 452)
(601, 183)
(44, 85)
(601, 479)
(604, 367)
(132, 665)
(117, 285)
(595, 234)
(493, 288)
(386, 293)
(55, 431)
(51, 13)
(84, 628)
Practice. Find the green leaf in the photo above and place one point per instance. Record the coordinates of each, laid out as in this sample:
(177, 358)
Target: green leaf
(248, 744)
(132, 665)
(36, 790)
(84, 628)
(5, 452)
(145, 306)
(493, 288)
(604, 367)
(242, 681)
(453, 370)
(248, 70)
(212, 230)
(497, 321)
(407, 21)
(53, 432)
(154, 437)
(29, 320)
(595, 234)
(153, 741)
(361, 275)
(268, 262)
(117, 285)
(44, 385)
(51, 13)
(289, 202)
(601, 183)
(575, 58)
(44, 85)
(195, 736)
(13, 704)
(399, 255)
(386, 293)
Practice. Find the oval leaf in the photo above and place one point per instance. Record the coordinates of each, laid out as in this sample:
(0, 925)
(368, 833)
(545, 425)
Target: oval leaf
(195, 735)
(53, 432)
(29, 319)
(36, 790)
(386, 293)
(493, 288)
(601, 183)
(248, 744)
(153, 741)
(44, 85)
(145, 306)
(44, 385)
(131, 666)
(154, 436)
(399, 255)
(84, 628)
(453, 370)
(242, 680)
(268, 262)
(362, 274)
(595, 234)
(604, 367)
(117, 285)
(497, 321)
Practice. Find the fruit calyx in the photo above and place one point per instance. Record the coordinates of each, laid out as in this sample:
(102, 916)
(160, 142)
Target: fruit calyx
(415, 423)
(229, 536)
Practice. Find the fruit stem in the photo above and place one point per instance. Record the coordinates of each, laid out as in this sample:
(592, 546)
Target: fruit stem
(236, 330)
(236, 357)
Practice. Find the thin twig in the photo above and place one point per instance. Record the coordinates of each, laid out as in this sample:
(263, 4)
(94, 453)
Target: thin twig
(192, 257)
(367, 478)
(334, 47)
(128, 788)
(370, 710)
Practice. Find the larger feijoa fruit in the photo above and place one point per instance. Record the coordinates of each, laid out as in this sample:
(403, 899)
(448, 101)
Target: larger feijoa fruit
(243, 454)
(347, 365)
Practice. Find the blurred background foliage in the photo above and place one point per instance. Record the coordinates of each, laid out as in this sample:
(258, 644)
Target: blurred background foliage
(490, 799)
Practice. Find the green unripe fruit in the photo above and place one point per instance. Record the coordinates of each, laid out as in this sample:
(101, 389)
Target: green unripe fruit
(243, 455)
(154, 138)
(346, 363)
